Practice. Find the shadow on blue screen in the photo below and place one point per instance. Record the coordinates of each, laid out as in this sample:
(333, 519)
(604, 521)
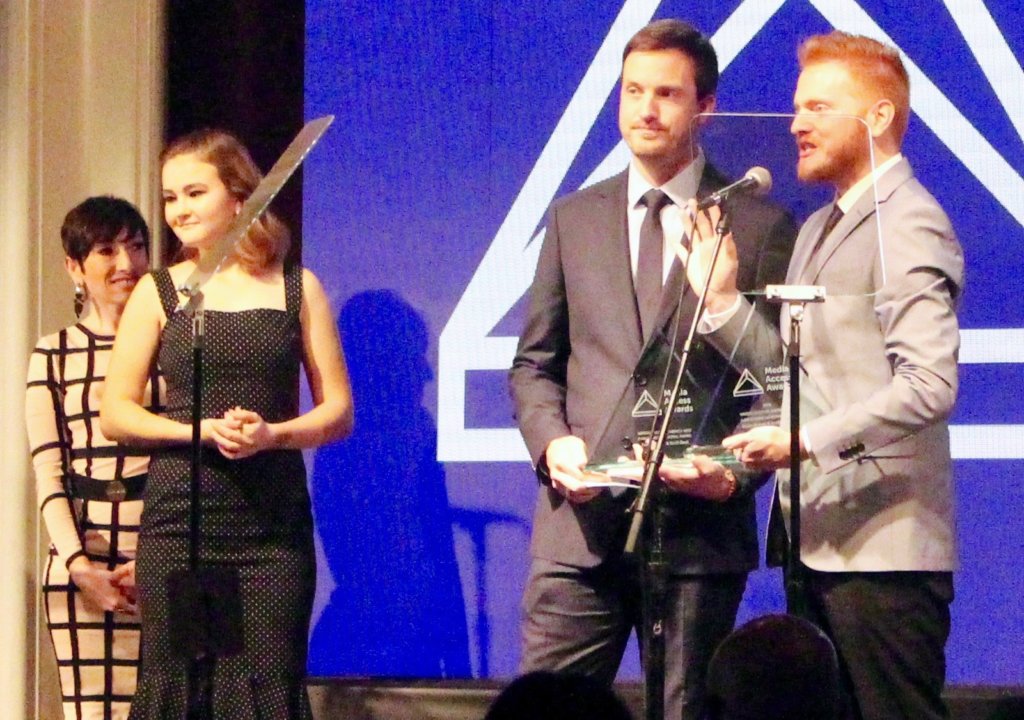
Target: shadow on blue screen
(383, 515)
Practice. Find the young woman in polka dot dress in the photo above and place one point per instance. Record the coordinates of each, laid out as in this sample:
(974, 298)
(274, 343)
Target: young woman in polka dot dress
(262, 320)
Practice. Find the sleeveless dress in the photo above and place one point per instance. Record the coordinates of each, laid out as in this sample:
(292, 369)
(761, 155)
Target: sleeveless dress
(256, 515)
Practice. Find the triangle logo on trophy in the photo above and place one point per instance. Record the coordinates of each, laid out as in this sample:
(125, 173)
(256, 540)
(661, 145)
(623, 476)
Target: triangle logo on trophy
(646, 405)
(747, 385)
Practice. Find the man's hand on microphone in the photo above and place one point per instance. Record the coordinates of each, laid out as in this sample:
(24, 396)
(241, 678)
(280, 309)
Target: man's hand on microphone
(699, 230)
(566, 457)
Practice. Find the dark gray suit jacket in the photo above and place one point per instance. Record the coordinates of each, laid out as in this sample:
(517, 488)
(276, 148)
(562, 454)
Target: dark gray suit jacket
(579, 347)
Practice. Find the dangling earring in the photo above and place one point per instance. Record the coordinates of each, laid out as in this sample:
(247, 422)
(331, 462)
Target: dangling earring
(79, 299)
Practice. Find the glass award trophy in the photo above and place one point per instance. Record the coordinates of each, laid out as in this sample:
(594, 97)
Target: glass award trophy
(715, 400)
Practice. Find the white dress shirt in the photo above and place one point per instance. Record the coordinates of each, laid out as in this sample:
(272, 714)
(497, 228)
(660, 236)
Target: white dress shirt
(680, 188)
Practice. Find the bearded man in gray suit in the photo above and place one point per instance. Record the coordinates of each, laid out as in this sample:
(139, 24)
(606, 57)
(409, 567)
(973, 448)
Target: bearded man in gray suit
(879, 362)
(586, 326)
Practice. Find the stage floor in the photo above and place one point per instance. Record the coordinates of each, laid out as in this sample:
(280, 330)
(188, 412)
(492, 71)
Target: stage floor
(392, 699)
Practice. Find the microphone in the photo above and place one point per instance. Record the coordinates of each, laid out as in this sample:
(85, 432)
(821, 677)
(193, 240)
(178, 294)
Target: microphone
(757, 181)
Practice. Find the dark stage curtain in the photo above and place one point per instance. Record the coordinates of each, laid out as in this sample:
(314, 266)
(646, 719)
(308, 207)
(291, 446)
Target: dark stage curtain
(238, 65)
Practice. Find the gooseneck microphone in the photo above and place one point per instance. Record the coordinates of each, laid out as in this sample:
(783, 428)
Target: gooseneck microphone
(757, 181)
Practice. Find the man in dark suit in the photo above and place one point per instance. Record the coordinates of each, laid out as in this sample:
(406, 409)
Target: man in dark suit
(879, 357)
(589, 317)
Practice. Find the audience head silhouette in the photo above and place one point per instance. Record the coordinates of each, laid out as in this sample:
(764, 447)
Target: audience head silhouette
(776, 667)
(552, 696)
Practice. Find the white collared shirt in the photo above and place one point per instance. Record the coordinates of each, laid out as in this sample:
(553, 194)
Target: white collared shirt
(680, 188)
(851, 196)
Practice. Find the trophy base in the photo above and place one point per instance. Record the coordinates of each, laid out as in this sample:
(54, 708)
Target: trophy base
(629, 473)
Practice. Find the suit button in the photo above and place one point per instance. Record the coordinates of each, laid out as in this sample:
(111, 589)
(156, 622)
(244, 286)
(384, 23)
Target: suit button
(852, 451)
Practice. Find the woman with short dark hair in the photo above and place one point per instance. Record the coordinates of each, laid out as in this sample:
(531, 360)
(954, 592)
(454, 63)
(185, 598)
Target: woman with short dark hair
(90, 487)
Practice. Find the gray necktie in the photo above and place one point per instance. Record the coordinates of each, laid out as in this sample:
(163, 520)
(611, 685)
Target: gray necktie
(650, 260)
(830, 223)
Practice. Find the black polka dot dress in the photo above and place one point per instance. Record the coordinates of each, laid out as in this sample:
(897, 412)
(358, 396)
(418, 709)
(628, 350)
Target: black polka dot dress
(256, 515)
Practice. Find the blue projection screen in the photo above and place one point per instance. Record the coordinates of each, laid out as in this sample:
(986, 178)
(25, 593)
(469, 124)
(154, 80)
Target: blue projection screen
(457, 124)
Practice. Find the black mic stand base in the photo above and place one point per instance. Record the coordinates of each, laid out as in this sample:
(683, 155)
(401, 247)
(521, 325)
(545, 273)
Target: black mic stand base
(797, 296)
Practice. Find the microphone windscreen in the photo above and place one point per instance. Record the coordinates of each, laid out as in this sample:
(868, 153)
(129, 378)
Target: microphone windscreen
(762, 177)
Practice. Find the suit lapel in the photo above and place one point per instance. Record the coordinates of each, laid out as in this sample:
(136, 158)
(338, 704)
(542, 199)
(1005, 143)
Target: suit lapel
(813, 261)
(808, 264)
(608, 214)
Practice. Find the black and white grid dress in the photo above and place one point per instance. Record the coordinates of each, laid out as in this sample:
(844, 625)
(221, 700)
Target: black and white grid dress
(90, 495)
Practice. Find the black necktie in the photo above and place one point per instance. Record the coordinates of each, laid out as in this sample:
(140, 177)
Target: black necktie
(650, 260)
(833, 219)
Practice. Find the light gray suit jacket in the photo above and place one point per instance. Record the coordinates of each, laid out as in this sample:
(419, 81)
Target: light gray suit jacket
(879, 360)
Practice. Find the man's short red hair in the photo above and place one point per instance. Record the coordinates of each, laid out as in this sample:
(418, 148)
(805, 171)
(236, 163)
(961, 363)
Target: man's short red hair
(876, 66)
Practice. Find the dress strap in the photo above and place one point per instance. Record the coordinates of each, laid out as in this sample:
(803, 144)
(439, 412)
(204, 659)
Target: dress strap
(165, 287)
(293, 288)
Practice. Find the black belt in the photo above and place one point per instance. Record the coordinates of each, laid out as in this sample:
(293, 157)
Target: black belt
(87, 488)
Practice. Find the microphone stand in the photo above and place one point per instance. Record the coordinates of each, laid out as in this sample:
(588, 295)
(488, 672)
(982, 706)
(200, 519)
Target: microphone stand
(655, 570)
(797, 296)
(200, 673)
(204, 601)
